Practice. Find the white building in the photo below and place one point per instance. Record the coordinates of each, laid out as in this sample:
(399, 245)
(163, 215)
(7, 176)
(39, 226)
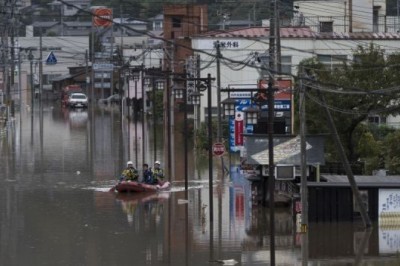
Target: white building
(342, 15)
(244, 46)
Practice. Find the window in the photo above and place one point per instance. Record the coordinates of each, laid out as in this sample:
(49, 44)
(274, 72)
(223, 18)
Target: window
(157, 25)
(375, 19)
(332, 61)
(326, 26)
(286, 63)
(176, 22)
(376, 119)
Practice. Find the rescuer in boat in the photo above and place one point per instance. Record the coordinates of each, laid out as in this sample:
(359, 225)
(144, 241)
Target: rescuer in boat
(158, 174)
(147, 174)
(130, 173)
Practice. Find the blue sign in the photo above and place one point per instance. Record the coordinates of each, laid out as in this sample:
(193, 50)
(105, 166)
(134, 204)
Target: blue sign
(280, 105)
(51, 59)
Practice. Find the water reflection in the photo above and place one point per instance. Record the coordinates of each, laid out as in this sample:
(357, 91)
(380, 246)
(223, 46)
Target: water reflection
(55, 207)
(150, 205)
(77, 118)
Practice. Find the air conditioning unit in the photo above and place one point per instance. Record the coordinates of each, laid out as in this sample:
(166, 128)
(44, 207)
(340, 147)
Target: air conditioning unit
(281, 171)
(285, 172)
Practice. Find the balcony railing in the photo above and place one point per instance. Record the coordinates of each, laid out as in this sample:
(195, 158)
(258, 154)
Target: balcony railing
(388, 24)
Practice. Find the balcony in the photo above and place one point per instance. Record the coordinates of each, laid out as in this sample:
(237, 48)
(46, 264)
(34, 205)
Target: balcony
(382, 24)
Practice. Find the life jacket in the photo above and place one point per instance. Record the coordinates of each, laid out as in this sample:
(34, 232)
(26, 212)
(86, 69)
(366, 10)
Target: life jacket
(130, 174)
(158, 173)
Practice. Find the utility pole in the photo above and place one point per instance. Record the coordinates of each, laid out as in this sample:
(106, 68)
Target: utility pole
(346, 164)
(218, 90)
(198, 73)
(271, 102)
(5, 47)
(219, 130)
(40, 69)
(172, 116)
(12, 51)
(303, 157)
(350, 15)
(86, 72)
(30, 57)
(303, 163)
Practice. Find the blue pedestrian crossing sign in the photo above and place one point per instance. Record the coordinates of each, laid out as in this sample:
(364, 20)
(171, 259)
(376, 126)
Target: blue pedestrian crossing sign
(51, 59)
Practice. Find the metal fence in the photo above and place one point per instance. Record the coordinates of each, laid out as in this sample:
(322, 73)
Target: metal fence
(388, 24)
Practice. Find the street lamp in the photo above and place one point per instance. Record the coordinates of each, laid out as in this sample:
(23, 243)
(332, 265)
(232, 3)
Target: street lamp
(205, 84)
(195, 97)
(180, 93)
(229, 106)
(160, 84)
(251, 115)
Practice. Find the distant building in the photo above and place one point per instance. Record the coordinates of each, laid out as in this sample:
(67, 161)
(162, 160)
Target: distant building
(339, 16)
(129, 27)
(157, 22)
(232, 24)
(70, 7)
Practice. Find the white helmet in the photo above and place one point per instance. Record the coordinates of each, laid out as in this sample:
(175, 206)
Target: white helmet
(157, 162)
(129, 162)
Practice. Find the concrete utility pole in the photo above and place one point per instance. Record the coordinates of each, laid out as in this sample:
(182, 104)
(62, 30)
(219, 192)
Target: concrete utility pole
(4, 8)
(40, 69)
(172, 116)
(304, 194)
(218, 91)
(219, 130)
(303, 163)
(346, 165)
(271, 103)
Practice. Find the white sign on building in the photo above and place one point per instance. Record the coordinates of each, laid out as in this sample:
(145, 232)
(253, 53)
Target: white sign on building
(230, 44)
(389, 218)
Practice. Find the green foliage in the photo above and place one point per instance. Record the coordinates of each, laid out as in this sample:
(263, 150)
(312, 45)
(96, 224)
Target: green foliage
(391, 149)
(202, 134)
(159, 110)
(369, 72)
(51, 34)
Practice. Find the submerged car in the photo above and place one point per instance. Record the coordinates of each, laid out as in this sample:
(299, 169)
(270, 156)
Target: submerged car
(77, 100)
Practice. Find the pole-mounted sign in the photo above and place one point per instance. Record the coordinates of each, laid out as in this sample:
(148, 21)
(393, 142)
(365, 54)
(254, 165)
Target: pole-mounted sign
(218, 149)
(102, 17)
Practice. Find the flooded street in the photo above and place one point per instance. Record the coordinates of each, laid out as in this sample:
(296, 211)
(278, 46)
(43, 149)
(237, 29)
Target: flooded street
(58, 166)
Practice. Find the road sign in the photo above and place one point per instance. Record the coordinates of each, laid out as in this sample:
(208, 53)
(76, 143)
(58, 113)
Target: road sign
(51, 59)
(103, 66)
(102, 17)
(218, 149)
(102, 85)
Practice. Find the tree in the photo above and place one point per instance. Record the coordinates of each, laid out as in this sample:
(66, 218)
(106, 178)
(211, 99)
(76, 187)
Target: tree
(353, 91)
(392, 152)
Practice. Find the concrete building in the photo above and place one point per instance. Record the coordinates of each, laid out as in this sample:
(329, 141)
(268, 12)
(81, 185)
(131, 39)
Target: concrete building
(242, 50)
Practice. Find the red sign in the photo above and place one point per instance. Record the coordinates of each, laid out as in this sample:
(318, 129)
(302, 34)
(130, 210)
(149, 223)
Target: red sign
(218, 149)
(102, 17)
(284, 87)
(239, 128)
